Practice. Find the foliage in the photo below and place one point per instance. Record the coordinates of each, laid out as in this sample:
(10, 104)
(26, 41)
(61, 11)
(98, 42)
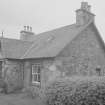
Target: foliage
(3, 86)
(33, 92)
(76, 91)
(2, 83)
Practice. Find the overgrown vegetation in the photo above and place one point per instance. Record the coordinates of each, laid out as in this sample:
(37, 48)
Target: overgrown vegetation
(3, 86)
(33, 92)
(76, 91)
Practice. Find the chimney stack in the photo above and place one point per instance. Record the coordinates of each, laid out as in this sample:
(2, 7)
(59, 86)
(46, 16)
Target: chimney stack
(26, 34)
(84, 15)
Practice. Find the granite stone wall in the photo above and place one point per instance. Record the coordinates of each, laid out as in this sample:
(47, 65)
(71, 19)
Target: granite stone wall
(85, 55)
(12, 74)
(49, 72)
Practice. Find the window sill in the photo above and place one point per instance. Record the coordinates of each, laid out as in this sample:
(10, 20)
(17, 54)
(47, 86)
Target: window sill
(36, 83)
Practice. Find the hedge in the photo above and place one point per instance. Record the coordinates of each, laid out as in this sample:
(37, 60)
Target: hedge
(76, 91)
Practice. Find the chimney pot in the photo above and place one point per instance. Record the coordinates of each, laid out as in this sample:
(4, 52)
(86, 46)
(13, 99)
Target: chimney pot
(30, 28)
(84, 5)
(27, 28)
(89, 8)
(24, 27)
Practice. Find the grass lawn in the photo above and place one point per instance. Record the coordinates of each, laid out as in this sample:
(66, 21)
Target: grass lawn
(18, 99)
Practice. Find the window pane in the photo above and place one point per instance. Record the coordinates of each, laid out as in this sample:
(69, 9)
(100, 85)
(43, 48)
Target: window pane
(38, 77)
(38, 69)
(36, 73)
(34, 69)
(34, 78)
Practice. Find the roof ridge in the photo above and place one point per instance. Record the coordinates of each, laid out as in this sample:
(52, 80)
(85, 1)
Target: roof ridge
(5, 38)
(56, 29)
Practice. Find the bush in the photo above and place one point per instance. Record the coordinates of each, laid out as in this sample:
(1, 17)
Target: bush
(3, 86)
(2, 83)
(33, 92)
(76, 91)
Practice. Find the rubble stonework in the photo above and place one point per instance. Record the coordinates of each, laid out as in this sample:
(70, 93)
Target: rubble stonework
(84, 54)
(12, 76)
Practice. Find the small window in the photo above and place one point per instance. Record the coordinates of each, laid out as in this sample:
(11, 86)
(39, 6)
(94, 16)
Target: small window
(36, 68)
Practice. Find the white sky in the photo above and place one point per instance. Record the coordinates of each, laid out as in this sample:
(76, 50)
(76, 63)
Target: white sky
(44, 15)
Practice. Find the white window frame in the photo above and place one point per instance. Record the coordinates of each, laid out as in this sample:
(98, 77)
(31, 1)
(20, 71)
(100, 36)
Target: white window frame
(37, 74)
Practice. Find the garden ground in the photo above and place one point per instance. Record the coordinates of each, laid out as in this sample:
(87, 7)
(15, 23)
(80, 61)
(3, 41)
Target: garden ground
(18, 99)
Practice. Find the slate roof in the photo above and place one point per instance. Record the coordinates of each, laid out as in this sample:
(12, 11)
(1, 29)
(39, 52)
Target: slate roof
(49, 44)
(13, 48)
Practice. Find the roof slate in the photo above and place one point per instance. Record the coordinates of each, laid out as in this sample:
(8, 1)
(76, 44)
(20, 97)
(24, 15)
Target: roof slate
(49, 44)
(13, 48)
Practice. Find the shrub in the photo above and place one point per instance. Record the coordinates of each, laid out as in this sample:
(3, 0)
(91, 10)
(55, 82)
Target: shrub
(33, 92)
(1, 83)
(3, 86)
(76, 91)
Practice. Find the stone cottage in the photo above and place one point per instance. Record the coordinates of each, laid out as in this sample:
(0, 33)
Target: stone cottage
(76, 49)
